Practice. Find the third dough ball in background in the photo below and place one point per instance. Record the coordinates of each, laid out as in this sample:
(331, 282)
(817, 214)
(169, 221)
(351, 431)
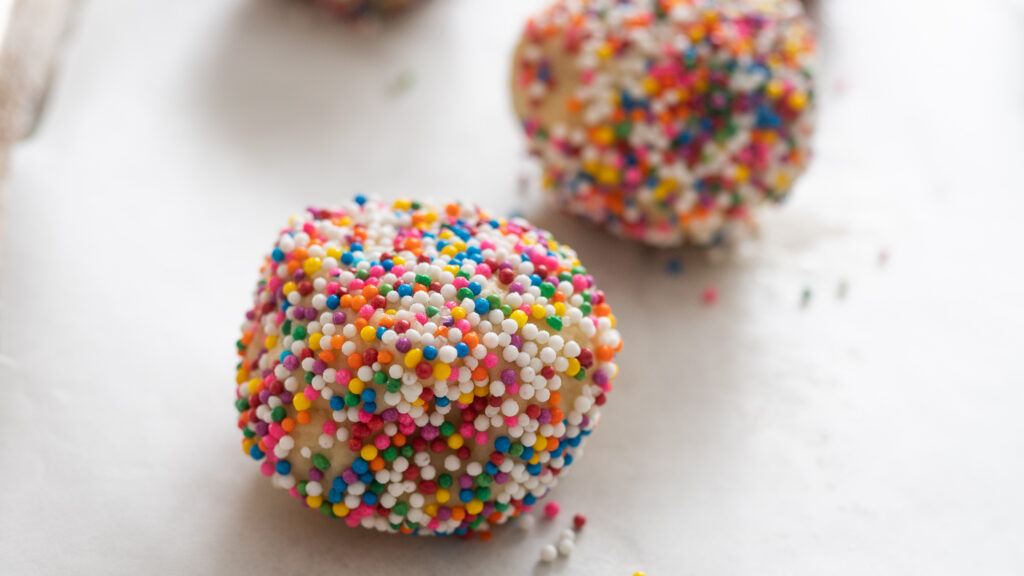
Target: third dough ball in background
(667, 121)
(363, 9)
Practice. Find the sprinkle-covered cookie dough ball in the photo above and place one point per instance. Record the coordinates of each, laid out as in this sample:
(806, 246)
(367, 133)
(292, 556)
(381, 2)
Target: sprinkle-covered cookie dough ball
(421, 370)
(364, 9)
(667, 121)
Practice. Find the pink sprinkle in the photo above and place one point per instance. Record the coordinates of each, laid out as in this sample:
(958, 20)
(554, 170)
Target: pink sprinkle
(710, 295)
(551, 509)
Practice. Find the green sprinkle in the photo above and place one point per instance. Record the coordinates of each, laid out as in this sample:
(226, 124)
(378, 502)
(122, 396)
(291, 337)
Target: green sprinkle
(555, 322)
(431, 311)
(321, 462)
(278, 414)
(299, 333)
(444, 480)
(547, 289)
(423, 279)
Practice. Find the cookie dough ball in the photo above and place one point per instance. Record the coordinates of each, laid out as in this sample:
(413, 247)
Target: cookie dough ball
(667, 121)
(364, 9)
(421, 370)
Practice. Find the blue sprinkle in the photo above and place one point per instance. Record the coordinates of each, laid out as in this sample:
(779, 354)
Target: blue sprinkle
(529, 499)
(256, 453)
(429, 352)
(283, 467)
(369, 395)
(360, 199)
(482, 306)
(277, 255)
(465, 494)
(461, 350)
(337, 403)
(405, 290)
(502, 444)
(360, 466)
(370, 498)
(475, 287)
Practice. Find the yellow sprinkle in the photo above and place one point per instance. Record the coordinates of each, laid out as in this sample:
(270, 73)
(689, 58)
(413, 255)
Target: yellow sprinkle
(369, 452)
(481, 391)
(651, 86)
(604, 136)
(311, 265)
(270, 341)
(442, 495)
(247, 444)
(449, 250)
(458, 312)
(604, 51)
(574, 367)
(541, 443)
(774, 89)
(340, 510)
(535, 459)
(300, 402)
(742, 173)
(455, 441)
(334, 253)
(254, 385)
(474, 506)
(520, 317)
(314, 341)
(797, 100)
(398, 260)
(314, 501)
(538, 311)
(560, 308)
(430, 510)
(289, 287)
(402, 204)
(466, 398)
(356, 386)
(442, 371)
(412, 357)
(368, 333)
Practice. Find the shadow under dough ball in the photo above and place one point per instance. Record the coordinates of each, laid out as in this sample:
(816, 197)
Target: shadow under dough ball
(667, 122)
(421, 370)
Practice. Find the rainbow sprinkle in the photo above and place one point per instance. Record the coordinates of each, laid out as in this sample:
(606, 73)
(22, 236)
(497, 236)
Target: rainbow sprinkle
(421, 370)
(667, 121)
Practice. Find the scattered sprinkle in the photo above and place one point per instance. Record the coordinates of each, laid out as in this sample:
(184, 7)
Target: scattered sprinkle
(674, 267)
(548, 553)
(551, 509)
(710, 295)
(805, 297)
(579, 521)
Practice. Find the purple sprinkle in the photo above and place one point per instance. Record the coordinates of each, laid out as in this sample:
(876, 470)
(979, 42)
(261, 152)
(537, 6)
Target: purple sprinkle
(403, 345)
(389, 415)
(444, 513)
(508, 376)
(350, 476)
(600, 378)
(515, 287)
(310, 313)
(339, 318)
(501, 477)
(466, 481)
(291, 362)
(287, 397)
(544, 417)
(261, 429)
(429, 432)
(315, 474)
(264, 396)
(319, 366)
(517, 341)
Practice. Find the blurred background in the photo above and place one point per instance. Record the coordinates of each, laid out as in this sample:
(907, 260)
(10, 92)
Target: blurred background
(850, 404)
